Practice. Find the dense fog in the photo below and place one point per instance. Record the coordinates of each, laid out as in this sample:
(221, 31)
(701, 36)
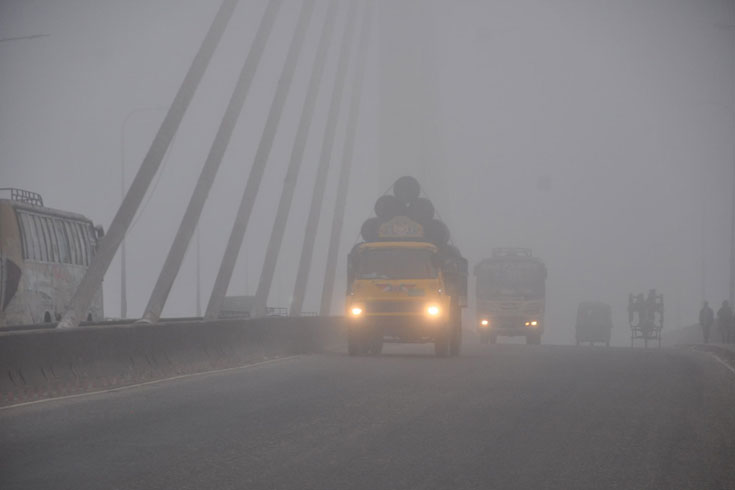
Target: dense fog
(600, 134)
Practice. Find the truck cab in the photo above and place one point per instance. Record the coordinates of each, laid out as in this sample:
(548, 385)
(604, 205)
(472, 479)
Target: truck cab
(404, 292)
(511, 295)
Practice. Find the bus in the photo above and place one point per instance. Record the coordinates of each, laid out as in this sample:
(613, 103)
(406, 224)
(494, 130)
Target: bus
(44, 254)
(511, 295)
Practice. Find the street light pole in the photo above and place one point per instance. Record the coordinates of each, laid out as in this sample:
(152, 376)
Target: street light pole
(123, 255)
(198, 278)
(732, 228)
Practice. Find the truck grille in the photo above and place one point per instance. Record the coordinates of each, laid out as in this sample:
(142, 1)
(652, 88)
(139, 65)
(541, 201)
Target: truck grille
(395, 307)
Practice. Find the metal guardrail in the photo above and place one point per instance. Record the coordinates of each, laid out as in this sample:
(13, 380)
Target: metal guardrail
(24, 196)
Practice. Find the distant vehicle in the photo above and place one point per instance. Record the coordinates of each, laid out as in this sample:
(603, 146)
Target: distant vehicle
(511, 295)
(646, 317)
(406, 283)
(594, 323)
(241, 307)
(44, 254)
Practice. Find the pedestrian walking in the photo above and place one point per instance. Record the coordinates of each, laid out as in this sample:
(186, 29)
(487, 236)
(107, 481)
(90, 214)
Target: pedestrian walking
(724, 321)
(706, 320)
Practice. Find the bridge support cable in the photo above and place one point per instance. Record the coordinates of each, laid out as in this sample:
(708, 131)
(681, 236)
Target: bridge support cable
(317, 197)
(294, 166)
(255, 176)
(108, 246)
(346, 169)
(189, 222)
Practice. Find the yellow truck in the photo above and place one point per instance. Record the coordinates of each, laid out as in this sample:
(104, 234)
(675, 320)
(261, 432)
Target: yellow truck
(406, 283)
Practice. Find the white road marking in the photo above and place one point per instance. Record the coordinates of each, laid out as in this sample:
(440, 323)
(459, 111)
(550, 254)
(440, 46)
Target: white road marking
(723, 362)
(147, 383)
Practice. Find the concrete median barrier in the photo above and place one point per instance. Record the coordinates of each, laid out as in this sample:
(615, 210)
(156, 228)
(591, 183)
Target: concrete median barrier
(49, 363)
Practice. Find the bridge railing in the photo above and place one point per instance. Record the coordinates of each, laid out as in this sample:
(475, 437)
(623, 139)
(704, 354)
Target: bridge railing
(56, 362)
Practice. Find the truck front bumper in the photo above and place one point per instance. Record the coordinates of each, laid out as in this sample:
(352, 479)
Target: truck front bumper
(402, 328)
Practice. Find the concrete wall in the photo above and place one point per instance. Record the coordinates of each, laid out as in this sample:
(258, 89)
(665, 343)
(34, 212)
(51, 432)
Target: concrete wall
(49, 363)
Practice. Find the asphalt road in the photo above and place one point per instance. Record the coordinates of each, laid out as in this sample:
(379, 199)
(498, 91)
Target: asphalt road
(503, 416)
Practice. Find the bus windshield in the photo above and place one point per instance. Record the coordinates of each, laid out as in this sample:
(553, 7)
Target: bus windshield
(515, 279)
(396, 263)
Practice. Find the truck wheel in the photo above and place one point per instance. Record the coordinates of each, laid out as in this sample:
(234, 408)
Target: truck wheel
(357, 342)
(441, 343)
(353, 343)
(533, 339)
(456, 343)
(493, 338)
(375, 342)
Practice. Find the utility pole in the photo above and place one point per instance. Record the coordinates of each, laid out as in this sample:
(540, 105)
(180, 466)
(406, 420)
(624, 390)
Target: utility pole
(198, 278)
(109, 244)
(731, 29)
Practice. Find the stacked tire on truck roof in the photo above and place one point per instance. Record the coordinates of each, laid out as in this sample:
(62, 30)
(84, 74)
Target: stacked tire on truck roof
(404, 209)
(406, 201)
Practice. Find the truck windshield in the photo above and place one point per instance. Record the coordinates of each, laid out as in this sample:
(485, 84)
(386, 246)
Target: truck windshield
(515, 279)
(396, 263)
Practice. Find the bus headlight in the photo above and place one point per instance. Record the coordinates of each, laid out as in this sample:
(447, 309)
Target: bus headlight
(356, 311)
(532, 323)
(433, 310)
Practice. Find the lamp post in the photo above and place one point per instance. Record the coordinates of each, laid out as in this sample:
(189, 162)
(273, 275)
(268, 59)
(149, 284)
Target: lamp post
(123, 268)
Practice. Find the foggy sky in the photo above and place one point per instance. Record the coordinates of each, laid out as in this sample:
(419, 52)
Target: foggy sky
(627, 107)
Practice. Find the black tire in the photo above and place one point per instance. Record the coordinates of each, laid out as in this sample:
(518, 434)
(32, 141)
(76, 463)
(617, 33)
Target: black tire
(437, 232)
(484, 337)
(421, 210)
(370, 229)
(493, 338)
(455, 346)
(353, 343)
(388, 207)
(441, 343)
(375, 342)
(357, 342)
(407, 189)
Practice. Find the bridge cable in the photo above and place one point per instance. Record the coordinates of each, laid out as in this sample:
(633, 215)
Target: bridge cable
(346, 169)
(294, 167)
(107, 247)
(191, 217)
(262, 153)
(317, 196)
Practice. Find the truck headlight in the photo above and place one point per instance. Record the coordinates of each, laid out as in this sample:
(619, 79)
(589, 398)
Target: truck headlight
(356, 311)
(433, 310)
(484, 323)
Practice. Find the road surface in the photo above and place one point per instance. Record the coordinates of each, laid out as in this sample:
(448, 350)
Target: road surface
(502, 416)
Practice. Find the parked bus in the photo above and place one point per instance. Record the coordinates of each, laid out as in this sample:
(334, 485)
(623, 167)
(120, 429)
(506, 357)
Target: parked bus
(44, 254)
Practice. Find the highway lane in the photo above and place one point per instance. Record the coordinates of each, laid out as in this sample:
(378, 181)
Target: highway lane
(503, 416)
